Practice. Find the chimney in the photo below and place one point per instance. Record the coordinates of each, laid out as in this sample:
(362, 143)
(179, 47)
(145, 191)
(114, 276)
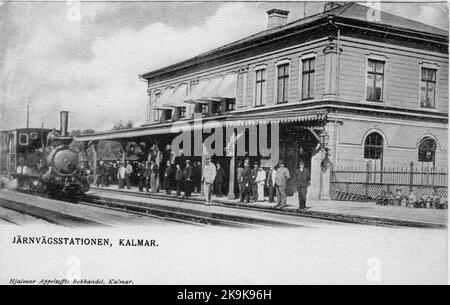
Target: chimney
(64, 122)
(277, 18)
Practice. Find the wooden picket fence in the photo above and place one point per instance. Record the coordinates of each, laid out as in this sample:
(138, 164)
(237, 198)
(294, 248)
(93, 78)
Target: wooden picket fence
(364, 184)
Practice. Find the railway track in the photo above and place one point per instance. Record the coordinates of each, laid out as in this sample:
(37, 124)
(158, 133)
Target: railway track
(178, 215)
(67, 217)
(8, 221)
(53, 217)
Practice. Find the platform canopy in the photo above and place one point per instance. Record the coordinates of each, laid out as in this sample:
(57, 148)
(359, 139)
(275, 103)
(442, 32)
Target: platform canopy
(264, 119)
(308, 118)
(215, 89)
(178, 97)
(165, 98)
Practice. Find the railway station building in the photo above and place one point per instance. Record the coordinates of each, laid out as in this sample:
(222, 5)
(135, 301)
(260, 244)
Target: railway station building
(348, 87)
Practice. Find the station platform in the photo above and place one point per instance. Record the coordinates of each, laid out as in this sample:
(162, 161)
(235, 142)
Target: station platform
(341, 211)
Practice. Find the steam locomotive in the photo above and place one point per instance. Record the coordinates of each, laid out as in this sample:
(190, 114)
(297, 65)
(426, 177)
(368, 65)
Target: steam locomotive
(41, 161)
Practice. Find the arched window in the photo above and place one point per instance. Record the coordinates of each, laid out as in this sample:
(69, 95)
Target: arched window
(373, 146)
(373, 154)
(427, 150)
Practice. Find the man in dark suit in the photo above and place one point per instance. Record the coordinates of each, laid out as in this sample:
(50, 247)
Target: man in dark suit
(188, 178)
(303, 181)
(270, 183)
(108, 173)
(218, 181)
(101, 174)
(141, 176)
(245, 182)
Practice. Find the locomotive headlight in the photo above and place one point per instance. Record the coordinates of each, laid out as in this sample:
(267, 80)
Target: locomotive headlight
(35, 182)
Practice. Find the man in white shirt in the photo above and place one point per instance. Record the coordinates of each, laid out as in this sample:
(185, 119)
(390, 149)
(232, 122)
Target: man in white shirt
(128, 171)
(121, 173)
(208, 176)
(260, 181)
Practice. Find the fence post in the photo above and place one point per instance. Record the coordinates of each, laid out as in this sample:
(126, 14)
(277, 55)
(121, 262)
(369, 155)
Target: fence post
(411, 176)
(366, 185)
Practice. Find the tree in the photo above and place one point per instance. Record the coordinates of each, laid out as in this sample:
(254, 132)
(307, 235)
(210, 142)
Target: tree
(121, 125)
(75, 145)
(78, 132)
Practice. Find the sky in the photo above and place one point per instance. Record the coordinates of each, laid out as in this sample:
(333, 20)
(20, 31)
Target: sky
(86, 57)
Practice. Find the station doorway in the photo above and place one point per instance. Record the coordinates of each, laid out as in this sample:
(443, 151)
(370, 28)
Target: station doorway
(296, 144)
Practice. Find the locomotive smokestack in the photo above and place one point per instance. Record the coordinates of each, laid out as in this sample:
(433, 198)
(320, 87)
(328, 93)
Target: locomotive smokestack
(64, 122)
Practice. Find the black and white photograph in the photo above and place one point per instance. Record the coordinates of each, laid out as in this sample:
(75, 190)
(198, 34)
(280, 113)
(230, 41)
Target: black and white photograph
(224, 143)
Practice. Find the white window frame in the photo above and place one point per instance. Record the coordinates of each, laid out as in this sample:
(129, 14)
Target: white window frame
(256, 69)
(277, 64)
(379, 58)
(153, 93)
(300, 75)
(428, 65)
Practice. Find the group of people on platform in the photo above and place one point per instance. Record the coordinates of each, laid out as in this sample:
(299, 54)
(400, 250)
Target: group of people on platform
(252, 183)
(187, 177)
(113, 173)
(398, 198)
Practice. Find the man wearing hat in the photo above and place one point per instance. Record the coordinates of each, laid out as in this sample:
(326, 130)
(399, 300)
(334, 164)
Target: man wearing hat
(153, 176)
(121, 175)
(147, 174)
(303, 181)
(281, 182)
(128, 172)
(220, 173)
(101, 174)
(259, 180)
(245, 182)
(271, 176)
(168, 176)
(141, 176)
(208, 176)
(188, 179)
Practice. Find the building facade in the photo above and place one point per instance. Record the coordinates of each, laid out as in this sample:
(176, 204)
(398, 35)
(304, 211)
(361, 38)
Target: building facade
(342, 88)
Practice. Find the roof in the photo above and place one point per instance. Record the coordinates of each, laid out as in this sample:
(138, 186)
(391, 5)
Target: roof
(349, 11)
(360, 12)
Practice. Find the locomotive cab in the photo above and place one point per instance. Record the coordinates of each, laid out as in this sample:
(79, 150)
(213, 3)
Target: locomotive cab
(41, 160)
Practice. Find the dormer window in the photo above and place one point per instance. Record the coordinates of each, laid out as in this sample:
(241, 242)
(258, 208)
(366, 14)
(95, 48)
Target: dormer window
(167, 114)
(216, 107)
(182, 112)
(230, 105)
(157, 115)
(205, 109)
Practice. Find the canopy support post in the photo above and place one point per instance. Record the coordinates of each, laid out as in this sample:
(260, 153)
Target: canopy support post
(94, 145)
